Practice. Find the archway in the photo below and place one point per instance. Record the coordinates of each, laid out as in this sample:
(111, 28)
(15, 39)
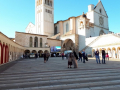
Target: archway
(1, 53)
(114, 53)
(118, 52)
(34, 51)
(46, 51)
(3, 61)
(40, 53)
(27, 52)
(101, 32)
(68, 45)
(6, 54)
(109, 52)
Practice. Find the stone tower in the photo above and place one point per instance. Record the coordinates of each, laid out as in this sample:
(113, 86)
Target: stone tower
(44, 17)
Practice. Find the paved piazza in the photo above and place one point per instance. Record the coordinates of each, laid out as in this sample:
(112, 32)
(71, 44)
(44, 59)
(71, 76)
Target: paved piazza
(34, 74)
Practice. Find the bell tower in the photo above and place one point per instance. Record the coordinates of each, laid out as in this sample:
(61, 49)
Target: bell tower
(44, 17)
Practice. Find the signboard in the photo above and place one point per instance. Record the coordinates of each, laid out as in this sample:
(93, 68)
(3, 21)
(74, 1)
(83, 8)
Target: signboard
(56, 49)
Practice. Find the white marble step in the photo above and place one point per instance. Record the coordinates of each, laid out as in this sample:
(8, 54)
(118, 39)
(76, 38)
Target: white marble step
(35, 82)
(59, 73)
(72, 86)
(78, 76)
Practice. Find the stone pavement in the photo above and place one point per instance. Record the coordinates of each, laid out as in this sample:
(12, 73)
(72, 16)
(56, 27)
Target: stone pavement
(34, 74)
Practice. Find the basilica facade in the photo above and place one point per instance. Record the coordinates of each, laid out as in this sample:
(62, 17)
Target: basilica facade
(74, 33)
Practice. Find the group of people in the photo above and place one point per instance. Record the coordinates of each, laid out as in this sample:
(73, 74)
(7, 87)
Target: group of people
(73, 57)
(104, 56)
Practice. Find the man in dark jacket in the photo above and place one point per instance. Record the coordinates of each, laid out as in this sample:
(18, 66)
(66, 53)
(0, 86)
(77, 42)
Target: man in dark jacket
(80, 56)
(97, 56)
(83, 54)
(103, 56)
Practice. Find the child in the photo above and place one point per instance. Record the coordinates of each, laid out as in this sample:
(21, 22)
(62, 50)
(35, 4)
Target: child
(107, 56)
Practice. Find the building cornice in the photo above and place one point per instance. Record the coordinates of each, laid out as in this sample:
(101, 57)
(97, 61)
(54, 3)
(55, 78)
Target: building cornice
(32, 34)
(54, 39)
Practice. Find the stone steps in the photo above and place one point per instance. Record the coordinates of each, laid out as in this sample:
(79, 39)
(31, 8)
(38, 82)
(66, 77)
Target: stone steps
(61, 80)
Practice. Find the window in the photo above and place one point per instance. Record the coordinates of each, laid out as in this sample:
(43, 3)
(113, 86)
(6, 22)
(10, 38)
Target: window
(50, 3)
(45, 1)
(55, 31)
(67, 27)
(30, 42)
(100, 11)
(40, 42)
(35, 42)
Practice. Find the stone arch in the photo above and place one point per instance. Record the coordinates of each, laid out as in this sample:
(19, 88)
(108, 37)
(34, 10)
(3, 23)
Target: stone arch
(118, 52)
(6, 54)
(101, 32)
(109, 51)
(46, 51)
(114, 52)
(68, 45)
(34, 51)
(27, 51)
(3, 61)
(40, 53)
(1, 53)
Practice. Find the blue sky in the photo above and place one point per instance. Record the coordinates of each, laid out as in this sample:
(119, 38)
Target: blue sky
(15, 15)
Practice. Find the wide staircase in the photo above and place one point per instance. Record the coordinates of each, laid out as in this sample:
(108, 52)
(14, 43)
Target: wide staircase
(83, 78)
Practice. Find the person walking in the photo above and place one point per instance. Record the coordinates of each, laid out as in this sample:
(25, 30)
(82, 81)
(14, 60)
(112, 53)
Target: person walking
(103, 56)
(62, 56)
(75, 59)
(70, 59)
(97, 56)
(83, 54)
(45, 57)
(80, 56)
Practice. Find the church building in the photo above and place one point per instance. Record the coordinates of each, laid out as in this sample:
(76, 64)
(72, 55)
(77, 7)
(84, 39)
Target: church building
(74, 33)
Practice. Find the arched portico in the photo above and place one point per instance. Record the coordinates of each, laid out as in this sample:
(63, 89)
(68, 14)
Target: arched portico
(1, 54)
(27, 51)
(109, 52)
(118, 52)
(40, 53)
(68, 45)
(46, 51)
(113, 52)
(34, 51)
(3, 61)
